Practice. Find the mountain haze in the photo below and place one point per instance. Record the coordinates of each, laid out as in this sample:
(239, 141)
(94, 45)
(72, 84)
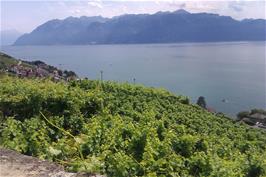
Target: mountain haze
(161, 27)
(8, 37)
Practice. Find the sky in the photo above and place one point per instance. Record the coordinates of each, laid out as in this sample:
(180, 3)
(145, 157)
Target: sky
(24, 16)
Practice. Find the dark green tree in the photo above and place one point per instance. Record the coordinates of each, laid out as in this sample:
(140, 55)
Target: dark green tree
(201, 102)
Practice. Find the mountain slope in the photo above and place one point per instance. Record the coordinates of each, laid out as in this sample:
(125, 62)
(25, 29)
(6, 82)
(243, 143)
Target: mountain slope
(125, 130)
(162, 27)
(32, 69)
(59, 31)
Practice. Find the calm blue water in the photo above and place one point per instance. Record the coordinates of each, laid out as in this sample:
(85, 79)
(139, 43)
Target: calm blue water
(217, 71)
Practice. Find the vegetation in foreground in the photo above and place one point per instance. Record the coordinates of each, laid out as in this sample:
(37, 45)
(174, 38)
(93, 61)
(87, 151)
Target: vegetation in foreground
(125, 130)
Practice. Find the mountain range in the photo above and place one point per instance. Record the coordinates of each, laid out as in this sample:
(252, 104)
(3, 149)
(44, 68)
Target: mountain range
(161, 27)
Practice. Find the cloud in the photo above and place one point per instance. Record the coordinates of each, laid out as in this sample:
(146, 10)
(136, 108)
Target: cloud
(182, 6)
(75, 12)
(97, 4)
(236, 6)
(179, 5)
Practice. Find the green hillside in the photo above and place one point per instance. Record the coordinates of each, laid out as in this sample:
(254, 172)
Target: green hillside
(125, 130)
(7, 61)
(32, 69)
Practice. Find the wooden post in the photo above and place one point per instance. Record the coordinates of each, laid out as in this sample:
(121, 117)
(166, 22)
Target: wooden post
(101, 75)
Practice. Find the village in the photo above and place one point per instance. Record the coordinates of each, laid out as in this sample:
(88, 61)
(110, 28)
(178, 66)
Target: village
(26, 69)
(256, 118)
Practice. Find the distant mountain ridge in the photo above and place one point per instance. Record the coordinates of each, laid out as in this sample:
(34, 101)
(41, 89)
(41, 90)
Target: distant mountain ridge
(161, 27)
(58, 31)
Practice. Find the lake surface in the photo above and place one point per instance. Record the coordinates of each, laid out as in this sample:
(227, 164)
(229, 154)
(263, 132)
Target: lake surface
(231, 71)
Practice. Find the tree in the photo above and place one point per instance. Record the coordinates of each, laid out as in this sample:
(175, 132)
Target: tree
(201, 102)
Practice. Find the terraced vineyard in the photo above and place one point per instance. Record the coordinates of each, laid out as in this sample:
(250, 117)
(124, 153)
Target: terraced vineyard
(125, 130)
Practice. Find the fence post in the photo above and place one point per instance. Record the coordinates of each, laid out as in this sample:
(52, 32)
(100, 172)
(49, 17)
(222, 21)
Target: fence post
(101, 75)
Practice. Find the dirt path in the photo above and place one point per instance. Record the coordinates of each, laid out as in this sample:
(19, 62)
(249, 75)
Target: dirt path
(13, 164)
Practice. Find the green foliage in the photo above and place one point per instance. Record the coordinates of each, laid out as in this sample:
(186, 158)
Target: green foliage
(125, 130)
(260, 111)
(243, 114)
(6, 61)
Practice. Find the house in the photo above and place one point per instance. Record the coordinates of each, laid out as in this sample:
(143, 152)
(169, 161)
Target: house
(41, 72)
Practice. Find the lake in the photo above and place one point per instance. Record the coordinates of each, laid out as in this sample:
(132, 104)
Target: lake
(234, 72)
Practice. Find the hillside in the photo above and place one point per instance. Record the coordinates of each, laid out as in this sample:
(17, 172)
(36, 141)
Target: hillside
(124, 130)
(32, 69)
(7, 61)
(161, 27)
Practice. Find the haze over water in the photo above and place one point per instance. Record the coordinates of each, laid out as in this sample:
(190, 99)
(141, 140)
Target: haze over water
(231, 76)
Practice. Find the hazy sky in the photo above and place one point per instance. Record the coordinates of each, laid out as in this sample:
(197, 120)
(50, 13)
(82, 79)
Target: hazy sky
(24, 16)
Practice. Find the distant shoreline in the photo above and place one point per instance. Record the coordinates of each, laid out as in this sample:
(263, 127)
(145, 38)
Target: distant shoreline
(128, 44)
